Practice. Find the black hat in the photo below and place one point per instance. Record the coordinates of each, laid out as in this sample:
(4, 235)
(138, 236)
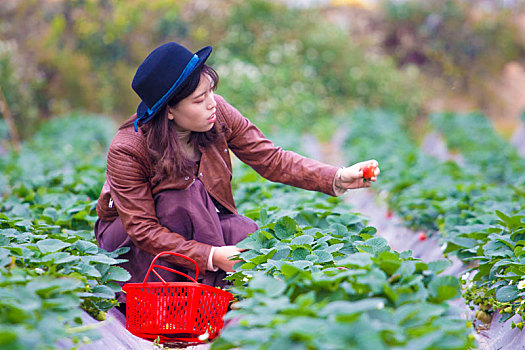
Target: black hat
(161, 76)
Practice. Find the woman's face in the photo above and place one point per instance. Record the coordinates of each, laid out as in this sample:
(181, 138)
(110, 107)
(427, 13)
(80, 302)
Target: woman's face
(197, 111)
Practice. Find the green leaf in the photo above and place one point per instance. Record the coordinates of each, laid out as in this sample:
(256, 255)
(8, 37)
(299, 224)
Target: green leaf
(102, 291)
(247, 255)
(85, 247)
(497, 249)
(389, 262)
(360, 259)
(45, 285)
(51, 213)
(99, 258)
(292, 269)
(282, 253)
(263, 217)
(349, 307)
(507, 293)
(116, 273)
(8, 336)
(300, 253)
(60, 258)
(334, 248)
(323, 256)
(463, 242)
(285, 227)
(519, 251)
(511, 222)
(312, 258)
(87, 270)
(252, 242)
(438, 266)
(374, 245)
(393, 296)
(257, 241)
(51, 245)
(261, 259)
(368, 232)
(271, 286)
(443, 288)
(303, 239)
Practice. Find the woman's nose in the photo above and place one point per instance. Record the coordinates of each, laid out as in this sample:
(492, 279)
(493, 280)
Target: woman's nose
(212, 104)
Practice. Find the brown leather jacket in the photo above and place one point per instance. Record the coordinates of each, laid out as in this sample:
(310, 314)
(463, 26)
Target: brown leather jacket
(128, 191)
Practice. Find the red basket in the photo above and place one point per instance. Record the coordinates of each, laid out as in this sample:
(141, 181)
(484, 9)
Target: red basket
(175, 311)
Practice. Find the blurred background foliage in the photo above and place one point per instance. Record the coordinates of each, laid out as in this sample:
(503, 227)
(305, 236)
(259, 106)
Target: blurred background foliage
(466, 44)
(281, 65)
(290, 67)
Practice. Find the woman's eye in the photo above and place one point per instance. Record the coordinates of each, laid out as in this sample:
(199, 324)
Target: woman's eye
(200, 101)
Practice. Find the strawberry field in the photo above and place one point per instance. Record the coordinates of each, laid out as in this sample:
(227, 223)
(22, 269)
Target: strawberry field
(315, 275)
(432, 256)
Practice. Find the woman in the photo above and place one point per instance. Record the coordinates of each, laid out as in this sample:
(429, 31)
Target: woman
(169, 171)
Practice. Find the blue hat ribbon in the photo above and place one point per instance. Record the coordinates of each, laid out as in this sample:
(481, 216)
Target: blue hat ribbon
(160, 103)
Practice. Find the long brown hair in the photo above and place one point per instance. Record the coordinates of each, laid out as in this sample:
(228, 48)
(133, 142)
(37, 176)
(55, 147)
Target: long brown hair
(162, 140)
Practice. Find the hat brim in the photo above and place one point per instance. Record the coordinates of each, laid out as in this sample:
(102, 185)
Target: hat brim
(142, 109)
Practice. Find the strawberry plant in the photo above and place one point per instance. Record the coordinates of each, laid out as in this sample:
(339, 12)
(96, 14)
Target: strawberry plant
(462, 204)
(50, 265)
(473, 136)
(305, 283)
(265, 202)
(303, 286)
(498, 280)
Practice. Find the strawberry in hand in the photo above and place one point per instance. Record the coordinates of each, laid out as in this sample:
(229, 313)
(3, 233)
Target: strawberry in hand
(368, 171)
(359, 175)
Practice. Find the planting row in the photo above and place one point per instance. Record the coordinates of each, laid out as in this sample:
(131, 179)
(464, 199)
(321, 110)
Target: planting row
(476, 209)
(314, 271)
(49, 263)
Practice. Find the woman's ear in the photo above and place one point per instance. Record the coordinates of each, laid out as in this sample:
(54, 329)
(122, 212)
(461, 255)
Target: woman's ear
(169, 114)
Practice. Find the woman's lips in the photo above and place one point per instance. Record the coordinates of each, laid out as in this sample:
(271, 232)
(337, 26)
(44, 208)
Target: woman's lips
(212, 118)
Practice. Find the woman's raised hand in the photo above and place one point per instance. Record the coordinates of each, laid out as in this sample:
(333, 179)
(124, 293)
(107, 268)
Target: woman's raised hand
(359, 175)
(221, 257)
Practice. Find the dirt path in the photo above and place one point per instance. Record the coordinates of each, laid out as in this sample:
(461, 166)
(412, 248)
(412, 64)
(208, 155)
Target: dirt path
(115, 336)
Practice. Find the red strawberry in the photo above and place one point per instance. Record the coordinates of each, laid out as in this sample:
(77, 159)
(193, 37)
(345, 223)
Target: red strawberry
(422, 236)
(368, 172)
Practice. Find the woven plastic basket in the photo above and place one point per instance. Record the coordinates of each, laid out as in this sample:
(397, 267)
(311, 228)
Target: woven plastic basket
(175, 311)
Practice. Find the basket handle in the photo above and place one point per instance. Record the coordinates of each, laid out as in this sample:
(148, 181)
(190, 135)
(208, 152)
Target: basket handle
(152, 265)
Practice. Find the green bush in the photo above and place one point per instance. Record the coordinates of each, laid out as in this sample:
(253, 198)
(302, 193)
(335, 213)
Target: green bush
(280, 66)
(457, 40)
(19, 91)
(290, 67)
(86, 52)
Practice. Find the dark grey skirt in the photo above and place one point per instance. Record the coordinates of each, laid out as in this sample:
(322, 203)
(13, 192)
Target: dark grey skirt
(192, 214)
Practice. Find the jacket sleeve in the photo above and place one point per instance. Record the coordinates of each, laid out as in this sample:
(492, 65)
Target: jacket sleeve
(131, 193)
(249, 144)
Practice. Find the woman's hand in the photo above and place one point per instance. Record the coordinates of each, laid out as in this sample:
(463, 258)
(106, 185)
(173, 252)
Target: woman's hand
(359, 175)
(221, 257)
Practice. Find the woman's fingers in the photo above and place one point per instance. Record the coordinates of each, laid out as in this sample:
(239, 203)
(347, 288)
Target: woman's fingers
(360, 175)
(222, 257)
